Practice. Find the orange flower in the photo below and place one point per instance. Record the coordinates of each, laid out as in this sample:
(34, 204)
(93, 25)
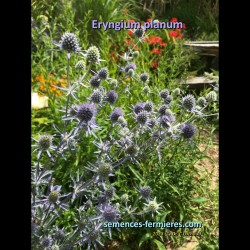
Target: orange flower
(157, 51)
(173, 20)
(52, 89)
(58, 93)
(148, 20)
(125, 11)
(179, 35)
(42, 88)
(131, 21)
(40, 78)
(155, 64)
(130, 32)
(129, 41)
(173, 33)
(162, 44)
(155, 39)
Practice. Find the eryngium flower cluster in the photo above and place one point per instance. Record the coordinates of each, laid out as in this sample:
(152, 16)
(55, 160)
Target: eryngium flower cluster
(202, 101)
(164, 93)
(110, 214)
(95, 81)
(81, 65)
(69, 42)
(111, 97)
(188, 130)
(145, 192)
(162, 109)
(96, 96)
(167, 120)
(144, 77)
(86, 112)
(139, 32)
(116, 114)
(103, 73)
(44, 142)
(130, 66)
(138, 107)
(188, 102)
(148, 106)
(142, 117)
(211, 96)
(93, 54)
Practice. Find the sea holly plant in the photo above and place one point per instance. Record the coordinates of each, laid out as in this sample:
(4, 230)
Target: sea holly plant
(132, 133)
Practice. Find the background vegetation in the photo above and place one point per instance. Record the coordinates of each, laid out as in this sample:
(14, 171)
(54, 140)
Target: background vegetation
(182, 179)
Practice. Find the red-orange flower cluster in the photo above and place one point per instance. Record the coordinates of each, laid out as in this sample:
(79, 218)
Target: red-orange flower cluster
(49, 82)
(177, 32)
(156, 51)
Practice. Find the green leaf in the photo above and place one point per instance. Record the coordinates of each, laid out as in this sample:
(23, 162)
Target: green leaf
(144, 238)
(199, 199)
(42, 120)
(161, 218)
(174, 188)
(136, 174)
(159, 244)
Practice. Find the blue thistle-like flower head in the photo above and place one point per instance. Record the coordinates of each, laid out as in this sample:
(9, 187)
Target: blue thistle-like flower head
(81, 65)
(111, 97)
(93, 54)
(116, 114)
(138, 107)
(110, 192)
(95, 81)
(104, 171)
(202, 101)
(176, 92)
(142, 117)
(166, 120)
(132, 150)
(188, 102)
(110, 214)
(102, 199)
(146, 89)
(144, 77)
(45, 142)
(69, 42)
(103, 73)
(96, 96)
(188, 130)
(168, 99)
(162, 109)
(211, 96)
(59, 234)
(46, 242)
(130, 66)
(53, 196)
(114, 83)
(139, 32)
(145, 192)
(135, 54)
(151, 122)
(86, 112)
(131, 72)
(148, 106)
(164, 94)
